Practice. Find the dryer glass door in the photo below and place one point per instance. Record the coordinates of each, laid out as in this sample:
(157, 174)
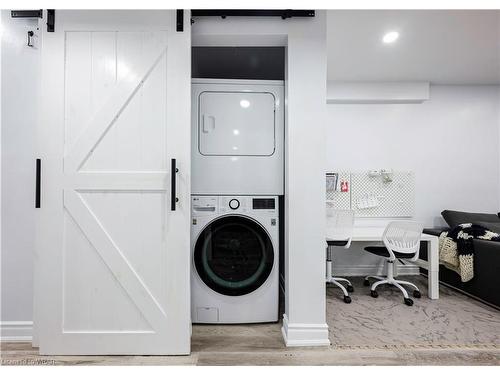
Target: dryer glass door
(236, 123)
(234, 255)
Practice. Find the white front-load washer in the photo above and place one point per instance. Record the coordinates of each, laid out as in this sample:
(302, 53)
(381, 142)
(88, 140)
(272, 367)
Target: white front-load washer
(234, 248)
(237, 137)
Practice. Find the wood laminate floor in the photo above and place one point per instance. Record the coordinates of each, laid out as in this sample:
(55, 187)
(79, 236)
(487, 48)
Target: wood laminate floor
(24, 354)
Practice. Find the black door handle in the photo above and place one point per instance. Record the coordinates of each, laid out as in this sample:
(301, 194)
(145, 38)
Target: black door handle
(173, 197)
(38, 182)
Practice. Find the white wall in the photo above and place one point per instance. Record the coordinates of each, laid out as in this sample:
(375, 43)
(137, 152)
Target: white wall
(19, 95)
(451, 142)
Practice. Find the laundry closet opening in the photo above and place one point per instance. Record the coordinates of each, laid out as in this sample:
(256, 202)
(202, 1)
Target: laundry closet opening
(237, 184)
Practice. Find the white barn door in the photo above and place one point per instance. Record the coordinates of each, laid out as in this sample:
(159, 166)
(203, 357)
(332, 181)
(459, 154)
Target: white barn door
(113, 256)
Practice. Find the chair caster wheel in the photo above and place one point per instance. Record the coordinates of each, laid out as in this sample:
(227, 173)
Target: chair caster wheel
(350, 288)
(374, 293)
(366, 282)
(408, 301)
(347, 299)
(416, 294)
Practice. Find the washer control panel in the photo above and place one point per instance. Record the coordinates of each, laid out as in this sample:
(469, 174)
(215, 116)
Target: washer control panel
(202, 205)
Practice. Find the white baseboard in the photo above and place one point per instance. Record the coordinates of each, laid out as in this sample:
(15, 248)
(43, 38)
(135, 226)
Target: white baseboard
(371, 270)
(16, 331)
(304, 334)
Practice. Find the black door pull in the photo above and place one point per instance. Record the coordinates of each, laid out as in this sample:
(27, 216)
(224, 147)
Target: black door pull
(173, 197)
(38, 182)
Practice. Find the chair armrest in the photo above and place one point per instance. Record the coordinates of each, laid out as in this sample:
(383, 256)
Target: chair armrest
(436, 231)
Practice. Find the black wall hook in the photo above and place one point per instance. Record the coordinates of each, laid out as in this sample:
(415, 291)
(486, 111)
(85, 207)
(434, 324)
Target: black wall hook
(30, 35)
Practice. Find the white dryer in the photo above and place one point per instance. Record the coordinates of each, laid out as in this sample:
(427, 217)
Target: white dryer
(237, 137)
(234, 248)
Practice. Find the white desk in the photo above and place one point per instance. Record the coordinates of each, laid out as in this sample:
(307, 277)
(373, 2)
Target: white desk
(374, 234)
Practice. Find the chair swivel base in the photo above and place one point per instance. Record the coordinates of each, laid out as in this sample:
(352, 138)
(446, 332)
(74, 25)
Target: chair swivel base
(345, 290)
(392, 281)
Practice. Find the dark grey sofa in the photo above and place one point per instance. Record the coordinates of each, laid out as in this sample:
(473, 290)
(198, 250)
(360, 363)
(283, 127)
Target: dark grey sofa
(486, 282)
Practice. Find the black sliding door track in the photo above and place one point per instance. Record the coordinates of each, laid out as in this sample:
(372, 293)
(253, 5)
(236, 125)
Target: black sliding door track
(283, 13)
(26, 13)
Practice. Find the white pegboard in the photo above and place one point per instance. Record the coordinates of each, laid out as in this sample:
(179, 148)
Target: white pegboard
(335, 197)
(373, 197)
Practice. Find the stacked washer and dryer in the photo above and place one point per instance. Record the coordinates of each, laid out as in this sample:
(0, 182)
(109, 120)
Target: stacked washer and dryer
(237, 179)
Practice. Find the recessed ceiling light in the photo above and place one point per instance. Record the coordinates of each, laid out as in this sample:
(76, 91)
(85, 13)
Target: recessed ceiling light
(390, 37)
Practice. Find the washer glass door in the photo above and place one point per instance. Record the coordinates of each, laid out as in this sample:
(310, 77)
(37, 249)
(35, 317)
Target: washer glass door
(234, 255)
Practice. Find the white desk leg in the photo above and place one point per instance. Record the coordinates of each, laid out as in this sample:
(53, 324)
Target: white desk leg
(433, 269)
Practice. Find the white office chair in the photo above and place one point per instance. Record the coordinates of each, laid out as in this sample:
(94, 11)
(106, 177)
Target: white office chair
(402, 241)
(339, 226)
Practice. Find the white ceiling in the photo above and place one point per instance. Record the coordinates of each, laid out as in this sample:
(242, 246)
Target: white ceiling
(443, 47)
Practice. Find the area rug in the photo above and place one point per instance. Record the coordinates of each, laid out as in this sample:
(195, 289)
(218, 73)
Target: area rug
(453, 321)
